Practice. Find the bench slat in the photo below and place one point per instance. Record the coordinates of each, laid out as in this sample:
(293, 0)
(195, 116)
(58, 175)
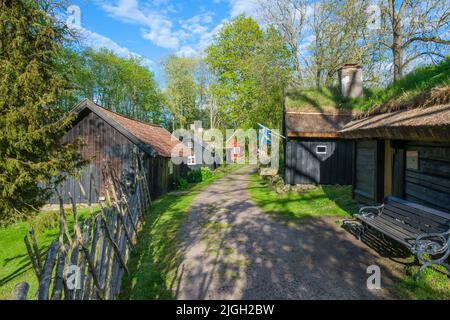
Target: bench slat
(388, 233)
(416, 222)
(401, 224)
(404, 237)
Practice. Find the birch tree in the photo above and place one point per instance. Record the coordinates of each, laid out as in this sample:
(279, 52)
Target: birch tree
(414, 29)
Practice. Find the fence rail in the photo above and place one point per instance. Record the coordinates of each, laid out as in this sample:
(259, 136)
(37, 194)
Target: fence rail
(88, 262)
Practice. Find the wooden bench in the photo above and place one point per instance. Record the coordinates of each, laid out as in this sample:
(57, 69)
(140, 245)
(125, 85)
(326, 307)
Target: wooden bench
(424, 231)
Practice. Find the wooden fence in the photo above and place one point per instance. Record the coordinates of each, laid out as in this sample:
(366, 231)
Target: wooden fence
(88, 262)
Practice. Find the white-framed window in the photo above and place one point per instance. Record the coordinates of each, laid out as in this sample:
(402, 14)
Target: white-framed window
(170, 167)
(237, 150)
(321, 149)
(191, 160)
(190, 145)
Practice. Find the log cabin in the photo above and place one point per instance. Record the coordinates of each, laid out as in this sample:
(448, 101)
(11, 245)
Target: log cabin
(402, 148)
(313, 151)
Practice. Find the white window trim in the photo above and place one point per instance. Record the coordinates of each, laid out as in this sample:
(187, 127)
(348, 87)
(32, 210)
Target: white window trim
(319, 152)
(191, 161)
(190, 145)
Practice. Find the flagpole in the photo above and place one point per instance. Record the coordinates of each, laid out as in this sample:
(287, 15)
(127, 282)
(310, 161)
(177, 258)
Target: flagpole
(277, 134)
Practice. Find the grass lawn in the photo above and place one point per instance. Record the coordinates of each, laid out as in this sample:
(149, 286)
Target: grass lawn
(433, 285)
(318, 202)
(15, 266)
(153, 263)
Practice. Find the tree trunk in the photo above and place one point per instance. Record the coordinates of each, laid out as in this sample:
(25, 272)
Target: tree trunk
(397, 56)
(397, 49)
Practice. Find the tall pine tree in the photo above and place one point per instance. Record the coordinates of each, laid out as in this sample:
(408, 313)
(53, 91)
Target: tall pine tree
(31, 124)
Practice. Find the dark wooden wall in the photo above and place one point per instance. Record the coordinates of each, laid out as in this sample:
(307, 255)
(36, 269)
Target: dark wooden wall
(368, 181)
(303, 165)
(429, 183)
(104, 144)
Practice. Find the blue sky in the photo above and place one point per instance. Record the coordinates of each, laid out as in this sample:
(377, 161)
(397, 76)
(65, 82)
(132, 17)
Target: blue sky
(154, 29)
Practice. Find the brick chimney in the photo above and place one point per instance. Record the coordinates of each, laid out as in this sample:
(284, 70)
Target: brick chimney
(350, 80)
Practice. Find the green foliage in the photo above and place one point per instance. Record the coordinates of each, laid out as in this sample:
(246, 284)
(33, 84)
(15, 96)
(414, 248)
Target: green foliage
(123, 85)
(433, 285)
(206, 173)
(199, 175)
(31, 124)
(46, 220)
(318, 202)
(182, 89)
(180, 183)
(14, 261)
(194, 176)
(414, 83)
(252, 68)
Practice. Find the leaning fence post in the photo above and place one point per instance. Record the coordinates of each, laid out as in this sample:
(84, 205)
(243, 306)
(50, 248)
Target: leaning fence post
(47, 272)
(20, 291)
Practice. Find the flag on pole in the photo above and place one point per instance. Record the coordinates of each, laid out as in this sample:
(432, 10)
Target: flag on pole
(263, 135)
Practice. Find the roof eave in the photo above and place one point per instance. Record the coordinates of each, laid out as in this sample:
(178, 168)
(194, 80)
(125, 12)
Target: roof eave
(96, 109)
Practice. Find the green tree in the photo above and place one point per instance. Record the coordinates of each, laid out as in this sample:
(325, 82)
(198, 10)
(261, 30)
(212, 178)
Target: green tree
(31, 125)
(123, 85)
(183, 92)
(251, 67)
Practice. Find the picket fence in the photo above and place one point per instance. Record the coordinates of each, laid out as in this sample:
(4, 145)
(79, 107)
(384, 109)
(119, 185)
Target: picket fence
(88, 262)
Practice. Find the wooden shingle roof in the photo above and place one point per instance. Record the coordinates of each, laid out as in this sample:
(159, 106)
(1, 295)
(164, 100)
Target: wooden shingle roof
(152, 139)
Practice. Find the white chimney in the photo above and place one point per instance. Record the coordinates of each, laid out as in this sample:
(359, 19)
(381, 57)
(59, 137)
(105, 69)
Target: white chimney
(351, 80)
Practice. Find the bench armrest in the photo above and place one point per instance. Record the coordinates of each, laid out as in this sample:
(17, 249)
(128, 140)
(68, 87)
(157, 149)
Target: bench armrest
(432, 243)
(371, 211)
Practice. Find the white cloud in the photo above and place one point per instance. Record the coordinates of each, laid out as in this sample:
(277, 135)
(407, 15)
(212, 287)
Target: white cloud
(97, 41)
(155, 26)
(247, 7)
(187, 51)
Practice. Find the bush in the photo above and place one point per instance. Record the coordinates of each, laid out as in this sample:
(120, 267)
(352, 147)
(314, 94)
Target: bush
(194, 176)
(44, 221)
(206, 173)
(180, 183)
(199, 175)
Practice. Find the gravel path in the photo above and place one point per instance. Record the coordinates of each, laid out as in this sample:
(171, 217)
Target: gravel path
(233, 250)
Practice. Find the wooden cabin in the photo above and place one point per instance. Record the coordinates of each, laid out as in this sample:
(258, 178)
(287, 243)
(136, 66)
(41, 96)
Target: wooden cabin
(116, 140)
(404, 152)
(313, 153)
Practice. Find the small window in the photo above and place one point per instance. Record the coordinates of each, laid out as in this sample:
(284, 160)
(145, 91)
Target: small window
(237, 150)
(321, 149)
(191, 160)
(190, 145)
(170, 167)
(412, 159)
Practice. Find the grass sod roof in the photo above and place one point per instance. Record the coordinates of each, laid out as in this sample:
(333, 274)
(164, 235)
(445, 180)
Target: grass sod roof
(313, 113)
(423, 84)
(421, 89)
(414, 108)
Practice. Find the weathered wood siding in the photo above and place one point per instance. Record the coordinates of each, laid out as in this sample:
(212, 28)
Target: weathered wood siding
(102, 143)
(303, 165)
(429, 184)
(368, 174)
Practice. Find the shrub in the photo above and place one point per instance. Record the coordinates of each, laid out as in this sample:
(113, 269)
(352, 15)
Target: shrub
(44, 221)
(194, 176)
(206, 173)
(180, 183)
